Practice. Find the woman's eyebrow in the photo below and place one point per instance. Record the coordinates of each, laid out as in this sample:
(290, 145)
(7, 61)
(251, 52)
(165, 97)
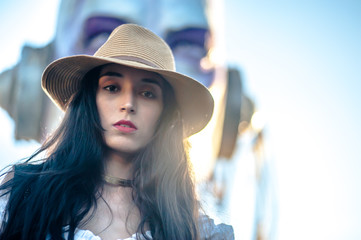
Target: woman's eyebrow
(152, 81)
(116, 74)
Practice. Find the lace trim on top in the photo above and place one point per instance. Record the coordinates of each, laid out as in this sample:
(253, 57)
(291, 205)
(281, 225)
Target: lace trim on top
(81, 234)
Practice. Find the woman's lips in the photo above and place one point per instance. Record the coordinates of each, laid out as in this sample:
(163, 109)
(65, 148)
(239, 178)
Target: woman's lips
(125, 126)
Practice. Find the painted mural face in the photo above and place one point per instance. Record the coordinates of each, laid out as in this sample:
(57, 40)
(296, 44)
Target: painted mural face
(84, 25)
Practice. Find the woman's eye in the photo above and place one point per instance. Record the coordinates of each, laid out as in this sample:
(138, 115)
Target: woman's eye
(111, 88)
(148, 94)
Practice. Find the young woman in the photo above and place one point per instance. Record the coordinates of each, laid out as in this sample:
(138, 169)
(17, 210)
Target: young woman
(117, 166)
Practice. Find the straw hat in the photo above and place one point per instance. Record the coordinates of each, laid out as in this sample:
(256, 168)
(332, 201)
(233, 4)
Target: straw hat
(134, 46)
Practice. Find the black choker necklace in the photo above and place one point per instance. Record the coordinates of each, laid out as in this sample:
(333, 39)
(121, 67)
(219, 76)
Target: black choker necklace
(118, 181)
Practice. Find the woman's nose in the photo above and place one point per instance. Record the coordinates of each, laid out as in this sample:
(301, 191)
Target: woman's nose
(128, 102)
(128, 108)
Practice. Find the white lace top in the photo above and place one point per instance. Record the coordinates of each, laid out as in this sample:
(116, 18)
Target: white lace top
(81, 234)
(208, 230)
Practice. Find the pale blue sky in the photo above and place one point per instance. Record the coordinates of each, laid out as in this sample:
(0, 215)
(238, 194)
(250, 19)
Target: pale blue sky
(301, 62)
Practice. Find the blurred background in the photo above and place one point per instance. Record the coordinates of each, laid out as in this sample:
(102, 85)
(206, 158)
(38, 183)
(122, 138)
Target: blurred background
(294, 169)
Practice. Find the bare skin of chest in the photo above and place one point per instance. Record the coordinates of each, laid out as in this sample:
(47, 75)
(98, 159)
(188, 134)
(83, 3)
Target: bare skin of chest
(116, 216)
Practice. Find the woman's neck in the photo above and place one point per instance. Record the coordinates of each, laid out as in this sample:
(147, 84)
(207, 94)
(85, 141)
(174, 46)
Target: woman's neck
(118, 165)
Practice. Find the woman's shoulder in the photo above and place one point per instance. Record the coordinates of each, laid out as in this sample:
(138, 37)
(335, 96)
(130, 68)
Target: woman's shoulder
(16, 178)
(10, 181)
(28, 167)
(20, 175)
(211, 231)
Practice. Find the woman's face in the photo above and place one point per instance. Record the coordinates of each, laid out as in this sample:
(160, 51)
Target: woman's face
(129, 102)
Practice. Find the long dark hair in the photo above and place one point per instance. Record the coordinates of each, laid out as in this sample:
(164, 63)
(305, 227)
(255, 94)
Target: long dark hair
(64, 187)
(164, 189)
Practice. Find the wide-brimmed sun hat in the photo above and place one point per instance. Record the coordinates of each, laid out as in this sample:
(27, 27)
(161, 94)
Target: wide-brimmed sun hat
(133, 46)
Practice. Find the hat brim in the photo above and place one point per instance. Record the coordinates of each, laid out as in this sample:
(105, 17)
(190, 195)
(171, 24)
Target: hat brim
(62, 78)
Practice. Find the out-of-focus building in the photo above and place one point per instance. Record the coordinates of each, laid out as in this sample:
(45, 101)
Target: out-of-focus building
(194, 31)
